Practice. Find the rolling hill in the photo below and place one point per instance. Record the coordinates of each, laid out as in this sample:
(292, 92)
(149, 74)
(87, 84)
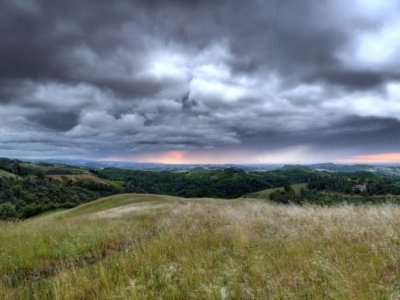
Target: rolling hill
(265, 194)
(78, 178)
(136, 246)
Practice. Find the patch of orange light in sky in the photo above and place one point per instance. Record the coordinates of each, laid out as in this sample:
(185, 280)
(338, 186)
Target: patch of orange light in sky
(376, 158)
(175, 157)
(168, 157)
(286, 155)
(175, 154)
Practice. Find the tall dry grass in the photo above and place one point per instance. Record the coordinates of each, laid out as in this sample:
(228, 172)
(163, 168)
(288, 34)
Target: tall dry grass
(205, 249)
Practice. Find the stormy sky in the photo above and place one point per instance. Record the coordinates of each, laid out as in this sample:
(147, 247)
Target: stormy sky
(206, 81)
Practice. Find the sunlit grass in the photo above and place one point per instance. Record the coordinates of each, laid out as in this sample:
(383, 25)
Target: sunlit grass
(203, 249)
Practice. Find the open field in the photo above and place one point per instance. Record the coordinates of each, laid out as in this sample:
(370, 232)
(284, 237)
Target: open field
(151, 247)
(265, 194)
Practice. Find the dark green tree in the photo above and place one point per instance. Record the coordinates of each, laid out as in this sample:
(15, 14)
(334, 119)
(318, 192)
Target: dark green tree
(40, 174)
(17, 170)
(7, 211)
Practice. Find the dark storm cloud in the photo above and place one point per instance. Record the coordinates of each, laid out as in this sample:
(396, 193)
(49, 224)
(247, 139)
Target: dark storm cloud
(92, 78)
(291, 37)
(60, 121)
(363, 135)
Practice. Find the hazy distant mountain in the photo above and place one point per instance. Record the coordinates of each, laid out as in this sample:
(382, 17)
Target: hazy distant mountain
(379, 169)
(156, 166)
(329, 167)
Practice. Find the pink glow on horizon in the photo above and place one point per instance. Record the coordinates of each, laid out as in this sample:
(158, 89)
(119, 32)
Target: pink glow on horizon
(181, 157)
(393, 157)
(290, 155)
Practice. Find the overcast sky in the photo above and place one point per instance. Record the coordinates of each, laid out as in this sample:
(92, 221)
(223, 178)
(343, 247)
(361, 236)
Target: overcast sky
(201, 80)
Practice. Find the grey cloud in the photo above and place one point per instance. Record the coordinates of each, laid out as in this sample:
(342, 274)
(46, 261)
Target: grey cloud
(85, 78)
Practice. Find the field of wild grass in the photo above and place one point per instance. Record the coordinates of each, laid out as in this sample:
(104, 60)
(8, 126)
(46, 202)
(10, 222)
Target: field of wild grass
(159, 247)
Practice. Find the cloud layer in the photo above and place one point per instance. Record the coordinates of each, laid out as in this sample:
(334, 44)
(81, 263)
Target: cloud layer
(312, 80)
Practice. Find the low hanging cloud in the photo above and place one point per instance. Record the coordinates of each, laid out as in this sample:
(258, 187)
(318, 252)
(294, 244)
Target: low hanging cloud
(305, 79)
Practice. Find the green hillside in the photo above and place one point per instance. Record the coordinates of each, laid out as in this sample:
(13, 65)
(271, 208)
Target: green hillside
(117, 201)
(6, 174)
(265, 194)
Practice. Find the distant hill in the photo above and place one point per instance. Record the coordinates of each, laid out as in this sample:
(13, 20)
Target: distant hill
(328, 167)
(97, 164)
(265, 194)
(378, 169)
(29, 188)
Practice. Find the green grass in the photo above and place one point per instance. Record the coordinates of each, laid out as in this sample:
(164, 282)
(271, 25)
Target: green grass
(114, 202)
(202, 249)
(6, 174)
(118, 185)
(265, 194)
(52, 169)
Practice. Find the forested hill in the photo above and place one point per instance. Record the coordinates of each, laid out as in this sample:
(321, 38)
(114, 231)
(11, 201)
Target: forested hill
(226, 183)
(27, 189)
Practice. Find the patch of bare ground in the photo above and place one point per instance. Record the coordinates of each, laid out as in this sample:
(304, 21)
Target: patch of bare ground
(132, 208)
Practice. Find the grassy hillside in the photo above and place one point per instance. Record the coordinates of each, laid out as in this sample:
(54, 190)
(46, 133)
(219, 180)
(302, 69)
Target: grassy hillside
(265, 194)
(6, 174)
(87, 177)
(51, 169)
(115, 202)
(151, 246)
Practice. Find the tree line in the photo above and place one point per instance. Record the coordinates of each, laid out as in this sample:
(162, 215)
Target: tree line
(29, 196)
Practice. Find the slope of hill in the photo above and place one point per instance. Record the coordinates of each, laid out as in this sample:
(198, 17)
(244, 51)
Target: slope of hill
(86, 176)
(265, 194)
(152, 246)
(6, 174)
(123, 201)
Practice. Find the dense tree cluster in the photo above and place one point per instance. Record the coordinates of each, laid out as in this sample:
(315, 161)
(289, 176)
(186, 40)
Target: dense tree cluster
(362, 183)
(29, 196)
(228, 183)
(352, 188)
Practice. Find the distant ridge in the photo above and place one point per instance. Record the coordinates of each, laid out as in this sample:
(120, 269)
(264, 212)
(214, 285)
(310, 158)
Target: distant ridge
(157, 166)
(328, 167)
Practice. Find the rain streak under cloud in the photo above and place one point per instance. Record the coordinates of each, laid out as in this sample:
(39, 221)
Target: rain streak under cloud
(201, 81)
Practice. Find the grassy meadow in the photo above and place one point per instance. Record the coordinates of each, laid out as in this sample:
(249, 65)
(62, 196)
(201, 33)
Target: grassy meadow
(161, 247)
